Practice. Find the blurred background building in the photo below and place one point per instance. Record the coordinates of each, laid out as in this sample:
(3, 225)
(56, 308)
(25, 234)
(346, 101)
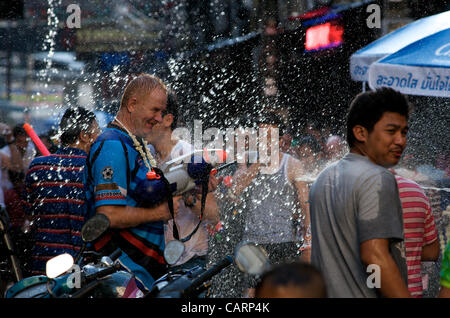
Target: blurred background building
(217, 54)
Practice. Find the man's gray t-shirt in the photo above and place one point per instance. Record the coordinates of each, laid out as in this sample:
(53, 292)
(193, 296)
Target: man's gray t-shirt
(353, 201)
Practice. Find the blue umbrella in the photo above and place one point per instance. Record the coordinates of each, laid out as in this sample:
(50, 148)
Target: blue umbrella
(421, 68)
(361, 60)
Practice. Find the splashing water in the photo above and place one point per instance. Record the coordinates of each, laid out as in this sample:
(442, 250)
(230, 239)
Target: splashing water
(202, 83)
(49, 41)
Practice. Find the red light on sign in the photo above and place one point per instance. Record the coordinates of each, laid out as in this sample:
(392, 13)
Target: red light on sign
(311, 15)
(324, 36)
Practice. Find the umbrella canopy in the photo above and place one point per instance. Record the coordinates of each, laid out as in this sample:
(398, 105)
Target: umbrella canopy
(361, 60)
(421, 68)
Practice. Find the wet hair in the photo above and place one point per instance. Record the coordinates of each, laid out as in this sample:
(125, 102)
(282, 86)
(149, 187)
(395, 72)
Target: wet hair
(367, 108)
(270, 118)
(142, 84)
(172, 107)
(74, 121)
(18, 130)
(311, 142)
(297, 274)
(246, 121)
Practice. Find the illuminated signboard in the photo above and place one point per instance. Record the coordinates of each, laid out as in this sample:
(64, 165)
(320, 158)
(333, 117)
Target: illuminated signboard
(324, 36)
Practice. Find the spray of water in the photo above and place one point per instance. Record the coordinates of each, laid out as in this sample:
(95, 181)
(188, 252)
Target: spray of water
(49, 41)
(209, 90)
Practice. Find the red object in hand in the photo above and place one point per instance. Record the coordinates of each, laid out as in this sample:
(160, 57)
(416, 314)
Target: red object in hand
(228, 181)
(221, 155)
(37, 141)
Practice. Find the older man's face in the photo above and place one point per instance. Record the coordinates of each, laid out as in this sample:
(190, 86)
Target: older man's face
(148, 111)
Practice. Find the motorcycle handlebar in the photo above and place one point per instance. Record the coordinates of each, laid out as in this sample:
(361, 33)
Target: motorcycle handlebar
(82, 292)
(103, 273)
(93, 280)
(115, 255)
(205, 276)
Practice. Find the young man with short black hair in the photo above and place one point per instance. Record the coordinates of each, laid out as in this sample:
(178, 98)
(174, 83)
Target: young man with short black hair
(291, 280)
(356, 213)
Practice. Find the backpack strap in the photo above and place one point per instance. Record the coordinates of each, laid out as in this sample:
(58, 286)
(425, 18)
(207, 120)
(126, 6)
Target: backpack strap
(90, 163)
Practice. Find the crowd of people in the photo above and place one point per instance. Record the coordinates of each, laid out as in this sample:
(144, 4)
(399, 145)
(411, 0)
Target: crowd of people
(334, 206)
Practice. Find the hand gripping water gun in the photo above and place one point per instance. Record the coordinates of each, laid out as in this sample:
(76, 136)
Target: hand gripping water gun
(186, 172)
(181, 175)
(174, 178)
(37, 141)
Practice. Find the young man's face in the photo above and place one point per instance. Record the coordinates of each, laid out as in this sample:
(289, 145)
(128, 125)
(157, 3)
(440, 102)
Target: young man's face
(160, 128)
(386, 142)
(306, 154)
(22, 141)
(94, 132)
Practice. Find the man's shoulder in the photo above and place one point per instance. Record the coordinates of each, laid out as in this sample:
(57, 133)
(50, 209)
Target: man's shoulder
(291, 159)
(356, 170)
(294, 166)
(363, 168)
(59, 159)
(110, 135)
(408, 185)
(404, 180)
(44, 160)
(111, 139)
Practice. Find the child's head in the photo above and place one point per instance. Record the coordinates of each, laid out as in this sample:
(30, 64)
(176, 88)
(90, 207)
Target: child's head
(291, 280)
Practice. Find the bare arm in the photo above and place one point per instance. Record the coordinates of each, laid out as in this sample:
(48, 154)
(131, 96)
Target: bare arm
(123, 216)
(302, 194)
(243, 178)
(16, 160)
(376, 251)
(431, 251)
(7, 133)
(295, 170)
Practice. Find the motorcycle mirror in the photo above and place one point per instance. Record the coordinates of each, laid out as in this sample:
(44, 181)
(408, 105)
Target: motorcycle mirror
(251, 258)
(58, 265)
(94, 227)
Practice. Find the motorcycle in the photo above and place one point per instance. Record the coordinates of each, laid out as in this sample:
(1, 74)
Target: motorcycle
(249, 257)
(103, 277)
(10, 268)
(99, 278)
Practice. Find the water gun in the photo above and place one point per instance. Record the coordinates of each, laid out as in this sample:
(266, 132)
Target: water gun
(186, 172)
(35, 138)
(181, 175)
